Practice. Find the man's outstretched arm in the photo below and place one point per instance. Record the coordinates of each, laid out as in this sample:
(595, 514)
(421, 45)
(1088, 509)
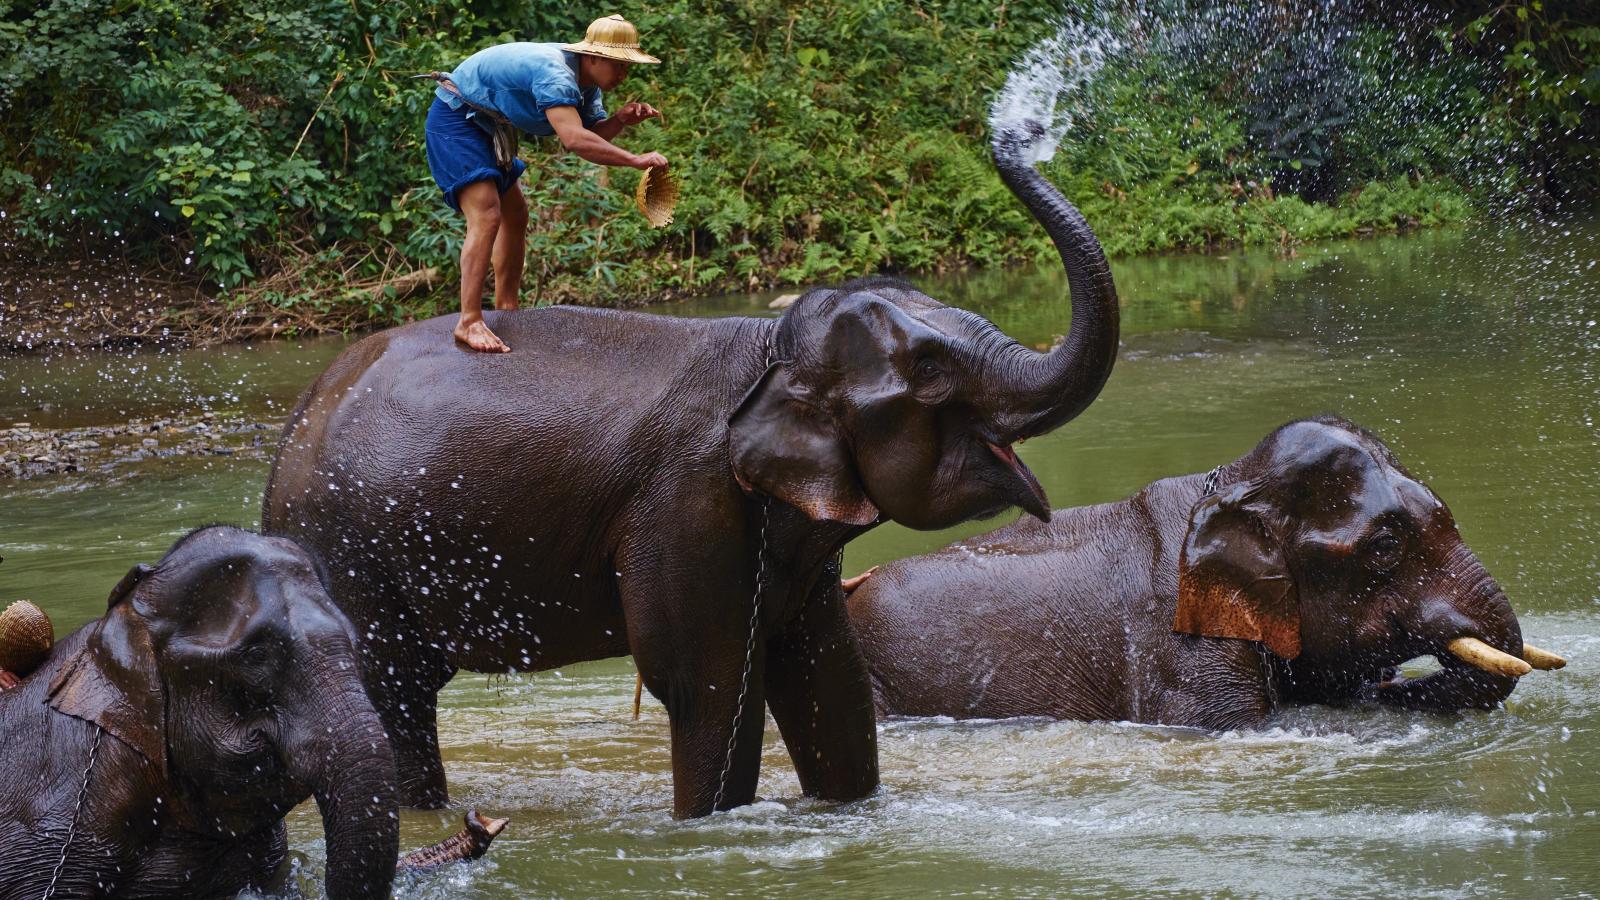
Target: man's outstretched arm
(594, 147)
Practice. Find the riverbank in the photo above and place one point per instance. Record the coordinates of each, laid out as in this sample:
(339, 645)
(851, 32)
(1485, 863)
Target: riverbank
(93, 302)
(99, 301)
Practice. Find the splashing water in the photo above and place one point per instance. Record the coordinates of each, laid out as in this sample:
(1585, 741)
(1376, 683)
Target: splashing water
(1049, 84)
(1327, 95)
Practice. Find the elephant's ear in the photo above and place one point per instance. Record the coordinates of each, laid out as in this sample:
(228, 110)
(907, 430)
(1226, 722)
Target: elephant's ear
(784, 446)
(1233, 579)
(112, 681)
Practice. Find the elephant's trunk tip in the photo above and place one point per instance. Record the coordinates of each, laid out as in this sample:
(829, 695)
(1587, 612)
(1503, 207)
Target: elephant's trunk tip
(489, 828)
(470, 843)
(1014, 141)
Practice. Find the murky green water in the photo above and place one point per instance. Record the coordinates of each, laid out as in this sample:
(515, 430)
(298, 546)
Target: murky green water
(1476, 355)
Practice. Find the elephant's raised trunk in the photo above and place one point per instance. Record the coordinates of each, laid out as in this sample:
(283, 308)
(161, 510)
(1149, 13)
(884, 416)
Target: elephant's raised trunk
(478, 831)
(1055, 387)
(347, 761)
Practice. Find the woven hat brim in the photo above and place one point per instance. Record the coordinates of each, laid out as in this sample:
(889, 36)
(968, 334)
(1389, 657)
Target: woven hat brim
(621, 54)
(657, 196)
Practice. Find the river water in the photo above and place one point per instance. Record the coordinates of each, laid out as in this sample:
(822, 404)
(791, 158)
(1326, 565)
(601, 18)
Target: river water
(1472, 352)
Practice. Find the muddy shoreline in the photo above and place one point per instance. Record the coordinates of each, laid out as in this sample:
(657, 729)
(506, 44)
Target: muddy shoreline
(90, 301)
(27, 452)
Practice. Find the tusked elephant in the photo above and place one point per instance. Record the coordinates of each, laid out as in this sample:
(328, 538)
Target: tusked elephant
(677, 489)
(1300, 573)
(155, 751)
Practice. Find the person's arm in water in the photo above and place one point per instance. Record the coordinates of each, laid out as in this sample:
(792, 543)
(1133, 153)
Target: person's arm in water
(593, 146)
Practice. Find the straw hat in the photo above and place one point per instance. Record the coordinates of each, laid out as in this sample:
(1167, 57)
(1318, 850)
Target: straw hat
(25, 637)
(657, 196)
(612, 37)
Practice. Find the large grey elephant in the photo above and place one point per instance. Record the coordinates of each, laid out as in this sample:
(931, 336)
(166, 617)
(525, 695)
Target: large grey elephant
(677, 489)
(1300, 573)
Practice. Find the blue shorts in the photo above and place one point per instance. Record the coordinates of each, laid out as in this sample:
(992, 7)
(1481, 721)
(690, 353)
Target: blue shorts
(459, 153)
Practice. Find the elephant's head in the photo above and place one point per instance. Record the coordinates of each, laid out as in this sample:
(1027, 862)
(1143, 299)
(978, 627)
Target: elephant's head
(228, 667)
(1322, 547)
(882, 400)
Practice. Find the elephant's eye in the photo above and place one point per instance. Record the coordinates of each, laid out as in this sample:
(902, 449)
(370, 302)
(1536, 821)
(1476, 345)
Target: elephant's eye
(930, 383)
(1385, 550)
(255, 655)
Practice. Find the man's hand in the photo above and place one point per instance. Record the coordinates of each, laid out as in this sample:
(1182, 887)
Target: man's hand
(650, 160)
(635, 112)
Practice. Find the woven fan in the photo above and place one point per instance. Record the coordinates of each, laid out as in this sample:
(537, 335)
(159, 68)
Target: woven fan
(657, 196)
(25, 638)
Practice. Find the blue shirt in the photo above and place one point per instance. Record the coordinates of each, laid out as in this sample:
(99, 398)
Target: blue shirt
(522, 80)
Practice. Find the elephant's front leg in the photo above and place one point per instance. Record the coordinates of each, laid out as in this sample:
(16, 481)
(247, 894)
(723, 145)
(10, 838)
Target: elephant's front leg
(818, 688)
(690, 651)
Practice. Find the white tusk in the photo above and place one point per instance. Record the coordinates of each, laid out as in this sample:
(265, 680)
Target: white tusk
(1541, 659)
(1476, 653)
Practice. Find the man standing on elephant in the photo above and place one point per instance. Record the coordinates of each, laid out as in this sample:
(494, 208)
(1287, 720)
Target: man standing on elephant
(542, 89)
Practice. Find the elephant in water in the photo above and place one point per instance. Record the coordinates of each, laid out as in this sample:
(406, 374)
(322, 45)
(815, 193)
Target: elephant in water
(1301, 573)
(677, 489)
(155, 751)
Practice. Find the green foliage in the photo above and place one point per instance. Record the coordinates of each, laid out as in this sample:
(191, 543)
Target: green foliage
(1548, 52)
(278, 149)
(1299, 108)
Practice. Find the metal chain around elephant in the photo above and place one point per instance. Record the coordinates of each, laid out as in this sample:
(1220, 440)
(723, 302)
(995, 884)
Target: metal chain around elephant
(749, 657)
(1269, 674)
(750, 642)
(83, 791)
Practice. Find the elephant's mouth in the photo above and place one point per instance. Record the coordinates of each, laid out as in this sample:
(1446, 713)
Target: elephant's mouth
(1454, 685)
(1031, 494)
(1468, 673)
(1391, 678)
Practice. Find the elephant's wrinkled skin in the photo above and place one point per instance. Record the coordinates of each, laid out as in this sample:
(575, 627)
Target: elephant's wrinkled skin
(226, 685)
(1317, 563)
(602, 490)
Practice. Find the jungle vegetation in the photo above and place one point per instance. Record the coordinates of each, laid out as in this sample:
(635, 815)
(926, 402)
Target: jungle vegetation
(274, 151)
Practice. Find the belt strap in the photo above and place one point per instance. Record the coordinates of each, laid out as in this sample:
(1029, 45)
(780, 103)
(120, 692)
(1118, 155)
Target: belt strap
(444, 81)
(503, 135)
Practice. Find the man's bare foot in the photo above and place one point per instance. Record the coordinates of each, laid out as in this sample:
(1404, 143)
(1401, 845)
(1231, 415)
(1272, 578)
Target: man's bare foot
(850, 584)
(476, 335)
